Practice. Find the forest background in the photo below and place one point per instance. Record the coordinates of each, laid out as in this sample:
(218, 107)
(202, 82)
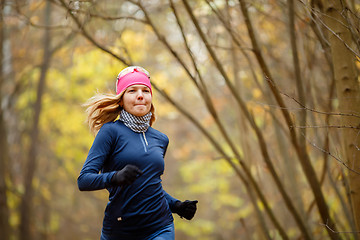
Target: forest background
(260, 100)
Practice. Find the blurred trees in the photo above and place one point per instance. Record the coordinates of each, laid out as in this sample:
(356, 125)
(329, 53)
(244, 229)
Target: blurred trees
(31, 163)
(4, 158)
(271, 85)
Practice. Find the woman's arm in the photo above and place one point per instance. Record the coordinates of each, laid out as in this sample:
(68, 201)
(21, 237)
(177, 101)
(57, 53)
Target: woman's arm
(171, 201)
(90, 179)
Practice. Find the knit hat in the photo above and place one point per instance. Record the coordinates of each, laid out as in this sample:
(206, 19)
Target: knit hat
(132, 76)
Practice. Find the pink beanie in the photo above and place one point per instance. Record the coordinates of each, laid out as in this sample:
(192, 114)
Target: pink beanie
(133, 78)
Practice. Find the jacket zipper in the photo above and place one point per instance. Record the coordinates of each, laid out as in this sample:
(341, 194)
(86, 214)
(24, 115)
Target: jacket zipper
(145, 139)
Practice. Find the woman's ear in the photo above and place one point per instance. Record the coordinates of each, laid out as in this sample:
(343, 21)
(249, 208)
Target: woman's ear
(121, 104)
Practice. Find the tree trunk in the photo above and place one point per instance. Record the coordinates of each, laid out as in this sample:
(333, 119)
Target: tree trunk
(27, 198)
(4, 156)
(347, 87)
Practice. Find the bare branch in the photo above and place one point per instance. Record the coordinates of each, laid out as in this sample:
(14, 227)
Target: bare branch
(331, 155)
(337, 232)
(320, 112)
(89, 37)
(326, 126)
(23, 17)
(332, 31)
(107, 18)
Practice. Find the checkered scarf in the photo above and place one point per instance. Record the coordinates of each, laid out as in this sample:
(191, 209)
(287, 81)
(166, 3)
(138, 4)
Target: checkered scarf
(137, 124)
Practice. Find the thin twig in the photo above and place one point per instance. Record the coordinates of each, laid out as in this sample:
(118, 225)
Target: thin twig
(327, 126)
(107, 18)
(331, 155)
(314, 110)
(337, 232)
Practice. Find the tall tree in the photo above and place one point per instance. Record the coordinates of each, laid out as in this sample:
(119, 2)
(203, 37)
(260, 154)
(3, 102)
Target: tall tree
(27, 200)
(4, 155)
(348, 92)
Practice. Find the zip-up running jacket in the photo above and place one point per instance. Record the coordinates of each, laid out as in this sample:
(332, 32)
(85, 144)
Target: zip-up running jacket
(136, 210)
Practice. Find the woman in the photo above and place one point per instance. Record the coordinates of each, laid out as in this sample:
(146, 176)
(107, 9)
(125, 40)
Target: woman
(127, 158)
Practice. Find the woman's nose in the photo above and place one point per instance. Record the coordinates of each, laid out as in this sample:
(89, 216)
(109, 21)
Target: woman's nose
(140, 95)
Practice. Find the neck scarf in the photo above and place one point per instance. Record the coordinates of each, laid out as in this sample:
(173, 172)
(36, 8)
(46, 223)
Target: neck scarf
(137, 124)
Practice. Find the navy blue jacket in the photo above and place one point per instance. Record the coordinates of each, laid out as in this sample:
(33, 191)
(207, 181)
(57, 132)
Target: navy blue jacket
(143, 207)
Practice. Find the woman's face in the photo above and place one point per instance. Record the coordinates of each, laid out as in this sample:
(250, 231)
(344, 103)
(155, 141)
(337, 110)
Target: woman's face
(137, 100)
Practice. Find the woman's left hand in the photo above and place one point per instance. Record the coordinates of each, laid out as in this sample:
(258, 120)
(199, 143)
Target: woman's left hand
(186, 209)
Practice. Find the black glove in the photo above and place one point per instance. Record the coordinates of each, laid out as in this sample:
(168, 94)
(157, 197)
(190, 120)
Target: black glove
(126, 176)
(185, 209)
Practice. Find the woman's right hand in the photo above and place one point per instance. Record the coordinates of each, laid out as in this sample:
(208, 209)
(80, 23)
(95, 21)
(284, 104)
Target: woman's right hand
(126, 176)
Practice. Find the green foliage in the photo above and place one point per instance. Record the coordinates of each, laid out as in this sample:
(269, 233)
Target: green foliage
(213, 182)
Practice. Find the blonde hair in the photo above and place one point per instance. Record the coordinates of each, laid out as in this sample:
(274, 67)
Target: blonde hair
(104, 108)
